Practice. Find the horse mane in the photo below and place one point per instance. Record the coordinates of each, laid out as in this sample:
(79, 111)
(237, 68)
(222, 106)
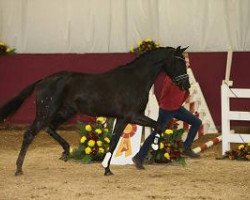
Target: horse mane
(139, 58)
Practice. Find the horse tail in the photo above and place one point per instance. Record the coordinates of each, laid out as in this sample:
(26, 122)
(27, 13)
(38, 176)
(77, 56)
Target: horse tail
(11, 106)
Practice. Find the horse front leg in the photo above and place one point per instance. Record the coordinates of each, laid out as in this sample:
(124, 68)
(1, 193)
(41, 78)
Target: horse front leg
(143, 120)
(119, 127)
(146, 121)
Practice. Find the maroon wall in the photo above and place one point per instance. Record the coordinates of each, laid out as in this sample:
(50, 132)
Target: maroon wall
(209, 70)
(17, 71)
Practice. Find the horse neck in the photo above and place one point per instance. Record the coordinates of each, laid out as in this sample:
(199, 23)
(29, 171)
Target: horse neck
(148, 73)
(148, 66)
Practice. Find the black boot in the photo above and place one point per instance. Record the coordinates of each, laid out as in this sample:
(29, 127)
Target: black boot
(190, 153)
(138, 162)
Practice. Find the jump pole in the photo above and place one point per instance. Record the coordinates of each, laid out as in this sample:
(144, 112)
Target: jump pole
(208, 144)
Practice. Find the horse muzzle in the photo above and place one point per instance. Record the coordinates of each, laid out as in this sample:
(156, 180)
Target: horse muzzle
(186, 85)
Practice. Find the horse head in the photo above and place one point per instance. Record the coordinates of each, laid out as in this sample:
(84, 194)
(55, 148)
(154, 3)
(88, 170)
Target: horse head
(176, 68)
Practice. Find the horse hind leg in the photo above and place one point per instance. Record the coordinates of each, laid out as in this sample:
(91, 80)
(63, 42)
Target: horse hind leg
(44, 114)
(119, 127)
(62, 116)
(28, 137)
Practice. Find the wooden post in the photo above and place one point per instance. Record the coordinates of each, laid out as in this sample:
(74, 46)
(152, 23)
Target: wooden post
(228, 68)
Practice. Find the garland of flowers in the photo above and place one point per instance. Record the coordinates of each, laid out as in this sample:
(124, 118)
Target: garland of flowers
(144, 46)
(242, 153)
(5, 49)
(94, 140)
(170, 148)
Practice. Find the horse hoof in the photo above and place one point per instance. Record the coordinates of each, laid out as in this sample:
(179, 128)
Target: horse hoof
(138, 163)
(64, 157)
(19, 173)
(108, 172)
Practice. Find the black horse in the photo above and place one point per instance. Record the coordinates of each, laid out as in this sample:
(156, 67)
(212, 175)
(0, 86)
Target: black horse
(121, 93)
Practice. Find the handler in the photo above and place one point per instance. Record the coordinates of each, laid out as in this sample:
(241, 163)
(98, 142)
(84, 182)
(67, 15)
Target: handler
(170, 99)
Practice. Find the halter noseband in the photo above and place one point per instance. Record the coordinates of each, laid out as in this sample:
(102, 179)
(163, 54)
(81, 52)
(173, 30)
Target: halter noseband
(180, 77)
(180, 58)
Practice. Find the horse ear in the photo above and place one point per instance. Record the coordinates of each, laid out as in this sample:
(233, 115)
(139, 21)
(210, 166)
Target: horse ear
(178, 50)
(184, 49)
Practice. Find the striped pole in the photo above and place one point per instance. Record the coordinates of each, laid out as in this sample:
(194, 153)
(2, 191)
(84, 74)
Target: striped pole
(208, 144)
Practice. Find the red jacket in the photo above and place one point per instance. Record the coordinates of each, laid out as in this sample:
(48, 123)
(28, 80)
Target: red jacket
(168, 95)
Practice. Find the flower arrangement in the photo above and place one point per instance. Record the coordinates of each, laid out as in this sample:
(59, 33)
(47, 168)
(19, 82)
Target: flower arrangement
(170, 147)
(5, 50)
(144, 46)
(94, 140)
(242, 153)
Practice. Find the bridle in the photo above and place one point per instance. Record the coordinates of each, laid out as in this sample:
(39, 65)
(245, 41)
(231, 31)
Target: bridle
(183, 76)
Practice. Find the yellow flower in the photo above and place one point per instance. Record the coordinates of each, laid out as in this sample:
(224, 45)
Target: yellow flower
(98, 131)
(157, 44)
(91, 143)
(167, 156)
(161, 145)
(131, 50)
(168, 131)
(88, 150)
(100, 150)
(83, 139)
(2, 44)
(241, 147)
(106, 130)
(102, 120)
(71, 150)
(106, 140)
(139, 43)
(88, 128)
(8, 50)
(148, 39)
(99, 143)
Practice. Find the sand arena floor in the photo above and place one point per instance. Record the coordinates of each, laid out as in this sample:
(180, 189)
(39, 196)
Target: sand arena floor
(47, 177)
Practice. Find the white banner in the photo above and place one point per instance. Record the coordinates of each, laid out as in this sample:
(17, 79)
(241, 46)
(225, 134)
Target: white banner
(128, 145)
(79, 26)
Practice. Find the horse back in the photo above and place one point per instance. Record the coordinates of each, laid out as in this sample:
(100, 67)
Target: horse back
(109, 94)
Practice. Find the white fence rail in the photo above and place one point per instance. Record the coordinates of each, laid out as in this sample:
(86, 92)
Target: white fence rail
(227, 115)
